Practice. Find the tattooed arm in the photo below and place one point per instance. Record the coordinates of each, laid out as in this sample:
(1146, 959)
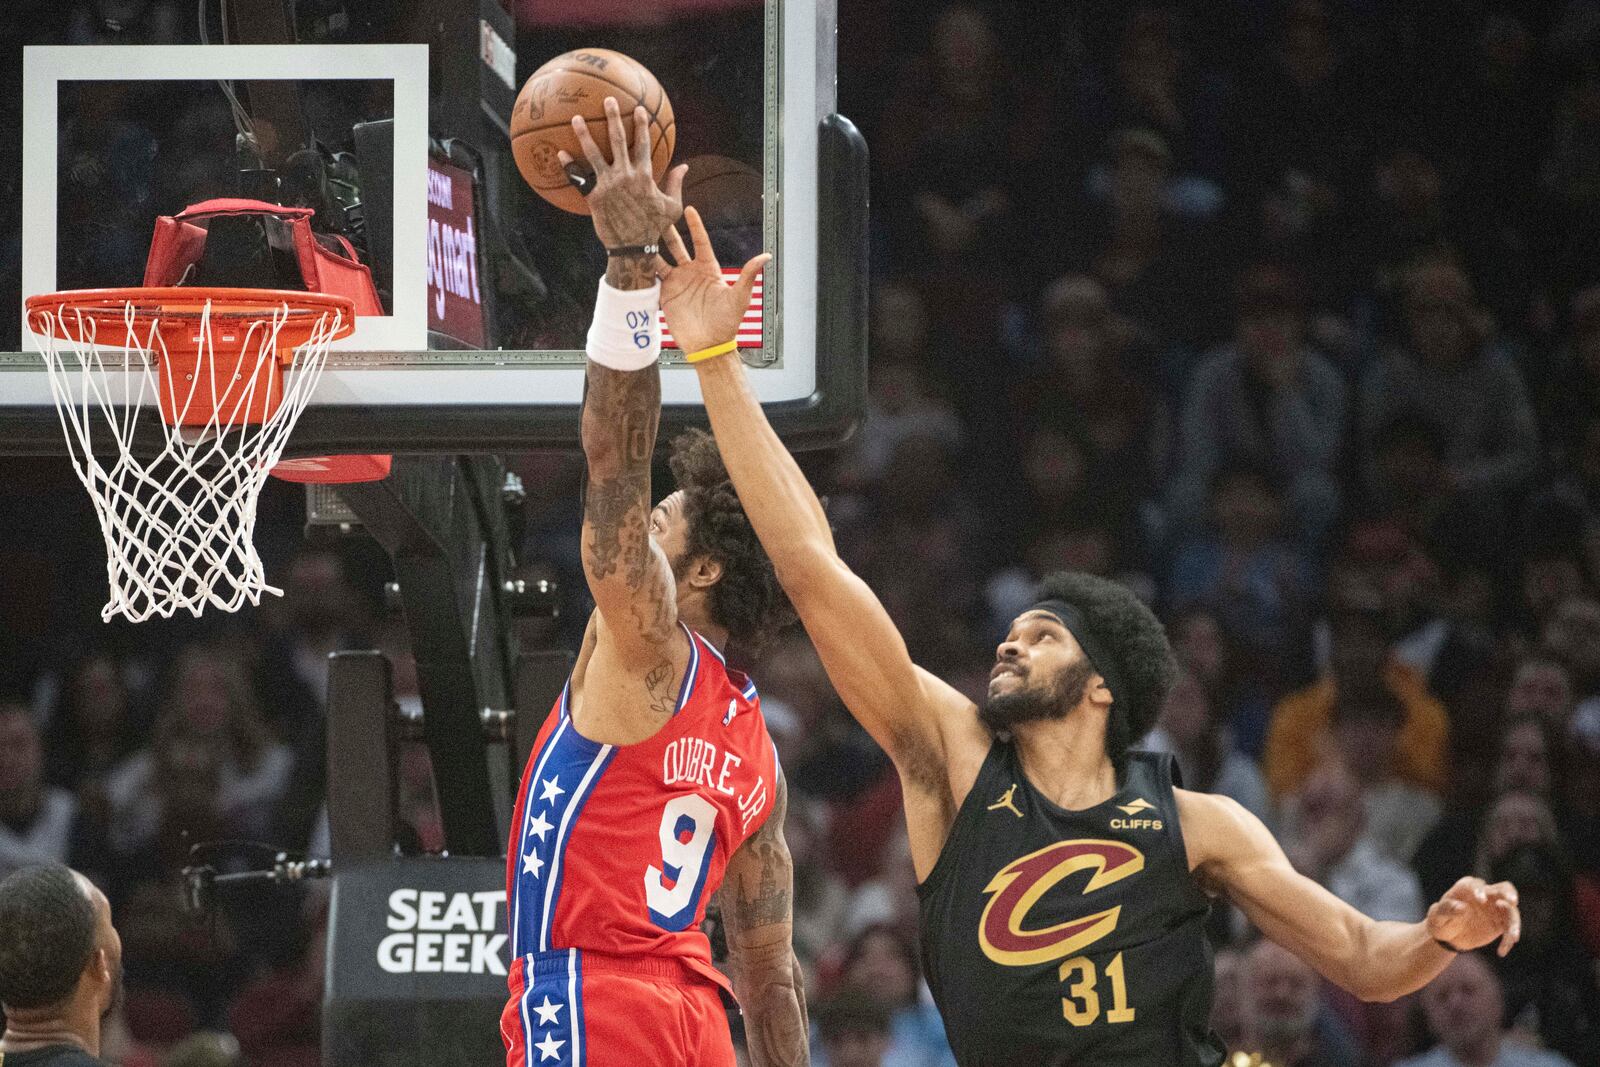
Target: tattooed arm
(628, 574)
(757, 899)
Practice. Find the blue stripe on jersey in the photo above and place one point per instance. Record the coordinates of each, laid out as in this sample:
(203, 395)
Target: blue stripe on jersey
(562, 779)
(552, 1009)
(749, 690)
(582, 765)
(521, 945)
(575, 995)
(716, 652)
(691, 673)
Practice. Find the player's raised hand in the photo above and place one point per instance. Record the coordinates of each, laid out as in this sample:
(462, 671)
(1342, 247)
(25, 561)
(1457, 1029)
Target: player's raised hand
(1473, 913)
(702, 309)
(628, 207)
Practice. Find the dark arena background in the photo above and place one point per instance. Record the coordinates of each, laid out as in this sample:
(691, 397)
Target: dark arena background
(1284, 313)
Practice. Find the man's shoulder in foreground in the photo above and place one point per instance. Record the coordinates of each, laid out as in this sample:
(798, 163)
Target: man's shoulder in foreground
(50, 1056)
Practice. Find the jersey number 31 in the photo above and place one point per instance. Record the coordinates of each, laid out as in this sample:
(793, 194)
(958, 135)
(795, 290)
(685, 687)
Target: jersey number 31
(672, 891)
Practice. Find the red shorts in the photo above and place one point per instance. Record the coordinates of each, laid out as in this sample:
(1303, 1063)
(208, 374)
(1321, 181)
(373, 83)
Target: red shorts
(575, 1009)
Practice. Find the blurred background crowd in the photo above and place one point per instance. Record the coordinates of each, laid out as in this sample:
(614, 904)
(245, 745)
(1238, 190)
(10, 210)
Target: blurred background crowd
(1284, 312)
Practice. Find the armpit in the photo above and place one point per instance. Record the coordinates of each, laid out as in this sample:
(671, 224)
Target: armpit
(919, 761)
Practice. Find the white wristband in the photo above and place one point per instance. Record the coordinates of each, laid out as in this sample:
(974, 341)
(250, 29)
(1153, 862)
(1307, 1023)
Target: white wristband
(625, 334)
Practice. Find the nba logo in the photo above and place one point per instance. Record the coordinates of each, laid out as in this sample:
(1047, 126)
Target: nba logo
(733, 706)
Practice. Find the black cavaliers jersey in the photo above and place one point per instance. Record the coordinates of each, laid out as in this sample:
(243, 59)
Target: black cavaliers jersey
(1054, 938)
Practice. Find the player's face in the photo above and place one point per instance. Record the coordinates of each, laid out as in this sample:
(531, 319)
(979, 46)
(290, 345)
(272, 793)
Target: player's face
(1037, 647)
(669, 528)
(108, 938)
(1040, 672)
(109, 943)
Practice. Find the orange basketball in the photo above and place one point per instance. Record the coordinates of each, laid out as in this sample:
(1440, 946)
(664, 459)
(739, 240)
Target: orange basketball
(577, 83)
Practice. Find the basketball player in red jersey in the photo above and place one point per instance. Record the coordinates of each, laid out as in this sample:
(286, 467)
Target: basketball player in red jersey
(1064, 878)
(654, 779)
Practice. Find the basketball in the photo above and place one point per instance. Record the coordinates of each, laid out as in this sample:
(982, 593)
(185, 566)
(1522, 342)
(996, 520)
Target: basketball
(725, 191)
(577, 83)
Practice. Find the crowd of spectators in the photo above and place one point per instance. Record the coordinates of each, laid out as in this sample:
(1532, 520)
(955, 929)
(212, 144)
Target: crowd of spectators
(1285, 314)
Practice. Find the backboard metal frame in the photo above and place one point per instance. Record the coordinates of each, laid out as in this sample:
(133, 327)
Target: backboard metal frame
(814, 174)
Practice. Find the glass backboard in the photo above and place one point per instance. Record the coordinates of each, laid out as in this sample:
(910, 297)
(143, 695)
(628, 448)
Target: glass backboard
(389, 118)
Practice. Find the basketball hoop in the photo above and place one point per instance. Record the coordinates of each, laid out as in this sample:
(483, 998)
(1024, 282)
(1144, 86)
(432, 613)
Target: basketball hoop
(179, 523)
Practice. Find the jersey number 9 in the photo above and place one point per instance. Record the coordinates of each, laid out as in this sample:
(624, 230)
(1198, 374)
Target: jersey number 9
(688, 833)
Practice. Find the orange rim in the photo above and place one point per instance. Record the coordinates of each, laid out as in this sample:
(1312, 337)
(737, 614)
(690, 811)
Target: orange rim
(109, 307)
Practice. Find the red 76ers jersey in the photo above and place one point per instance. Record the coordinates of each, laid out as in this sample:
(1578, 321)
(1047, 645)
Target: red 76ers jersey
(617, 849)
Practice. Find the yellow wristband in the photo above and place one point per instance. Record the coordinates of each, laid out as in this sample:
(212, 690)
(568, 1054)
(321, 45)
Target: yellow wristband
(711, 353)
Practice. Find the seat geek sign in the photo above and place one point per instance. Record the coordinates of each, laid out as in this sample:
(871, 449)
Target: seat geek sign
(419, 929)
(436, 932)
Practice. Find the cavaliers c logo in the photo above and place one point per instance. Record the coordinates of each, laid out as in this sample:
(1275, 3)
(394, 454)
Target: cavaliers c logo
(1020, 884)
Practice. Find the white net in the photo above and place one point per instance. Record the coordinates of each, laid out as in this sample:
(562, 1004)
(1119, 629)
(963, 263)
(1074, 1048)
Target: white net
(179, 522)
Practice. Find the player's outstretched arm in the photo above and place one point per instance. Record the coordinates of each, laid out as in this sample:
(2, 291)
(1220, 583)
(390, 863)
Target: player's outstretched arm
(906, 710)
(1233, 853)
(757, 903)
(628, 575)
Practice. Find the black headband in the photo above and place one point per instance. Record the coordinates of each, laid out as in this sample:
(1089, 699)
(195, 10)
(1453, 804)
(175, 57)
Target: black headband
(1099, 653)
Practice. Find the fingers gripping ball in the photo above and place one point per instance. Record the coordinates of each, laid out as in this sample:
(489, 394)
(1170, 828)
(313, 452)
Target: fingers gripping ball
(577, 83)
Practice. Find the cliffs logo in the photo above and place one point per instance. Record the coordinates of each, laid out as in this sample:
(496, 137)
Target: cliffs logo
(444, 933)
(1018, 887)
(1139, 806)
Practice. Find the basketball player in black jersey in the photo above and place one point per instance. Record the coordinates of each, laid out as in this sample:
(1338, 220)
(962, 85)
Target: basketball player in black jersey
(1064, 878)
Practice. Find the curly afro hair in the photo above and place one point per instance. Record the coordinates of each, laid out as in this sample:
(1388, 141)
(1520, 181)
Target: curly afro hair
(747, 600)
(1138, 640)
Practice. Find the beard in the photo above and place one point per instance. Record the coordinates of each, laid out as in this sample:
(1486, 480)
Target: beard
(1053, 700)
